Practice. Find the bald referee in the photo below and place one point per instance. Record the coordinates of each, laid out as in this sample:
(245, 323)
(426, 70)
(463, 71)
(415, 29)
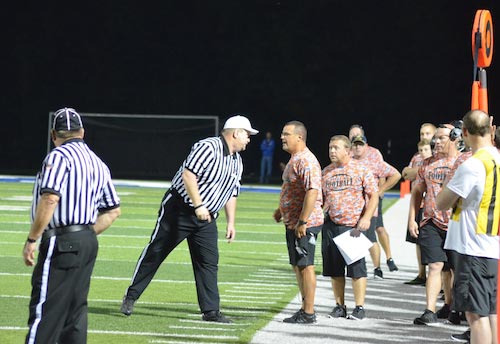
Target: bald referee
(73, 200)
(207, 181)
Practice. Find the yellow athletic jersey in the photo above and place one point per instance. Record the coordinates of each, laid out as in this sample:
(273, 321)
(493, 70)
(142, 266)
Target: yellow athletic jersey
(489, 209)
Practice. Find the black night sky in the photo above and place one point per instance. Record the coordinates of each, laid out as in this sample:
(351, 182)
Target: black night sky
(388, 65)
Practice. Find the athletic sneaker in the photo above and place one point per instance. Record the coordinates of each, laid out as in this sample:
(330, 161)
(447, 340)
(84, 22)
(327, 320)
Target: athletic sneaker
(378, 274)
(295, 315)
(301, 317)
(338, 312)
(215, 316)
(444, 312)
(357, 314)
(454, 318)
(127, 306)
(417, 281)
(428, 317)
(461, 337)
(392, 266)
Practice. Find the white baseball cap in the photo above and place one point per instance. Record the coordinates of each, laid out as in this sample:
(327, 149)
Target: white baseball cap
(240, 122)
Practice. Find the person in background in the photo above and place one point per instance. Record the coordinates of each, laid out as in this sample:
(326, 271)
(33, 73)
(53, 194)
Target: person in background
(207, 181)
(74, 199)
(424, 152)
(301, 211)
(387, 176)
(427, 132)
(266, 163)
(350, 193)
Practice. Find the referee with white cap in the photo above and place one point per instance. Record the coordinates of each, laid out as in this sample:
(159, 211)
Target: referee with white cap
(73, 200)
(207, 181)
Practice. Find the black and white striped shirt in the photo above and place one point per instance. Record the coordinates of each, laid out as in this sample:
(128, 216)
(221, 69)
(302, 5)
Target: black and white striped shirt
(81, 180)
(219, 173)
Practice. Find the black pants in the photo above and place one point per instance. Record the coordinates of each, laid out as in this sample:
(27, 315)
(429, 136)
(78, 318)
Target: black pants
(60, 286)
(175, 223)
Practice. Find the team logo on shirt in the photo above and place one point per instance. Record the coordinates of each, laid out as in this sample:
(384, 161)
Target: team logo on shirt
(438, 174)
(339, 182)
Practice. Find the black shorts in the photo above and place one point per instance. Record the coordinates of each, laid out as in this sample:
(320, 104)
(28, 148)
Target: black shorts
(431, 240)
(380, 219)
(371, 233)
(475, 285)
(418, 218)
(301, 251)
(333, 263)
(453, 257)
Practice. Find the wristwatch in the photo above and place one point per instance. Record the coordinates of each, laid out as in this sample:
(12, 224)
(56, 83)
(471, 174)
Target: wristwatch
(302, 222)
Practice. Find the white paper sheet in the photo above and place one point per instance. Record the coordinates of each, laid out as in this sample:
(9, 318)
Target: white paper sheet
(352, 248)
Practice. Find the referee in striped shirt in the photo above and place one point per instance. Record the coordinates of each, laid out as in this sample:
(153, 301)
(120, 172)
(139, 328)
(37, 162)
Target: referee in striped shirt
(207, 181)
(73, 200)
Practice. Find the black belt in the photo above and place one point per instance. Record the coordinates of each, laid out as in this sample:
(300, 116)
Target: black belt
(49, 233)
(180, 200)
(177, 196)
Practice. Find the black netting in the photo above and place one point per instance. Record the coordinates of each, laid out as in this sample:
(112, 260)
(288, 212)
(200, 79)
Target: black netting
(149, 147)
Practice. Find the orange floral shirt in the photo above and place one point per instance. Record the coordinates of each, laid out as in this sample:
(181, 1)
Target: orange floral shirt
(416, 162)
(379, 168)
(345, 191)
(431, 175)
(460, 159)
(302, 173)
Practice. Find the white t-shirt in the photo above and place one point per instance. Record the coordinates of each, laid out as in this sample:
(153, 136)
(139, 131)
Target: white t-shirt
(468, 183)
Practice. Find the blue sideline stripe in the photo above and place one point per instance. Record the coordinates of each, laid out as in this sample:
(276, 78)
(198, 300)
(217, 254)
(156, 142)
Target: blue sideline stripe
(138, 183)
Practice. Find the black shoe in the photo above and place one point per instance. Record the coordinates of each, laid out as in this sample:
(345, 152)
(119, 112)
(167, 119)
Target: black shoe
(417, 281)
(301, 317)
(338, 312)
(357, 314)
(428, 317)
(454, 318)
(392, 266)
(462, 316)
(215, 316)
(378, 274)
(461, 337)
(444, 312)
(127, 306)
(295, 315)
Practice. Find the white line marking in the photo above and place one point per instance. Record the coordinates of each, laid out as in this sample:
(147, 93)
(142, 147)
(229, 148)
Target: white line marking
(200, 328)
(14, 208)
(204, 322)
(130, 333)
(260, 292)
(239, 297)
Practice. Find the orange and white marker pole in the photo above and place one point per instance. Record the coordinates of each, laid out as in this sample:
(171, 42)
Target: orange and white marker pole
(482, 53)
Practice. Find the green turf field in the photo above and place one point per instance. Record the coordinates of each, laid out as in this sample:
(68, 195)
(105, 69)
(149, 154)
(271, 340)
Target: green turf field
(255, 279)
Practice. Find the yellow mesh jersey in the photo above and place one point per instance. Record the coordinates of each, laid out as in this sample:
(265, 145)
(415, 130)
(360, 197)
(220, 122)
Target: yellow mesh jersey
(489, 209)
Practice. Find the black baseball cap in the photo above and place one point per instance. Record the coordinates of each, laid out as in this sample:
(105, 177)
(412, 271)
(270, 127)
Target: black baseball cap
(67, 119)
(359, 139)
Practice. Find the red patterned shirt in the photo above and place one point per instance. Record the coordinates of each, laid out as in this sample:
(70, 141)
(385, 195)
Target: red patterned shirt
(344, 190)
(460, 159)
(302, 173)
(415, 162)
(431, 175)
(378, 167)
